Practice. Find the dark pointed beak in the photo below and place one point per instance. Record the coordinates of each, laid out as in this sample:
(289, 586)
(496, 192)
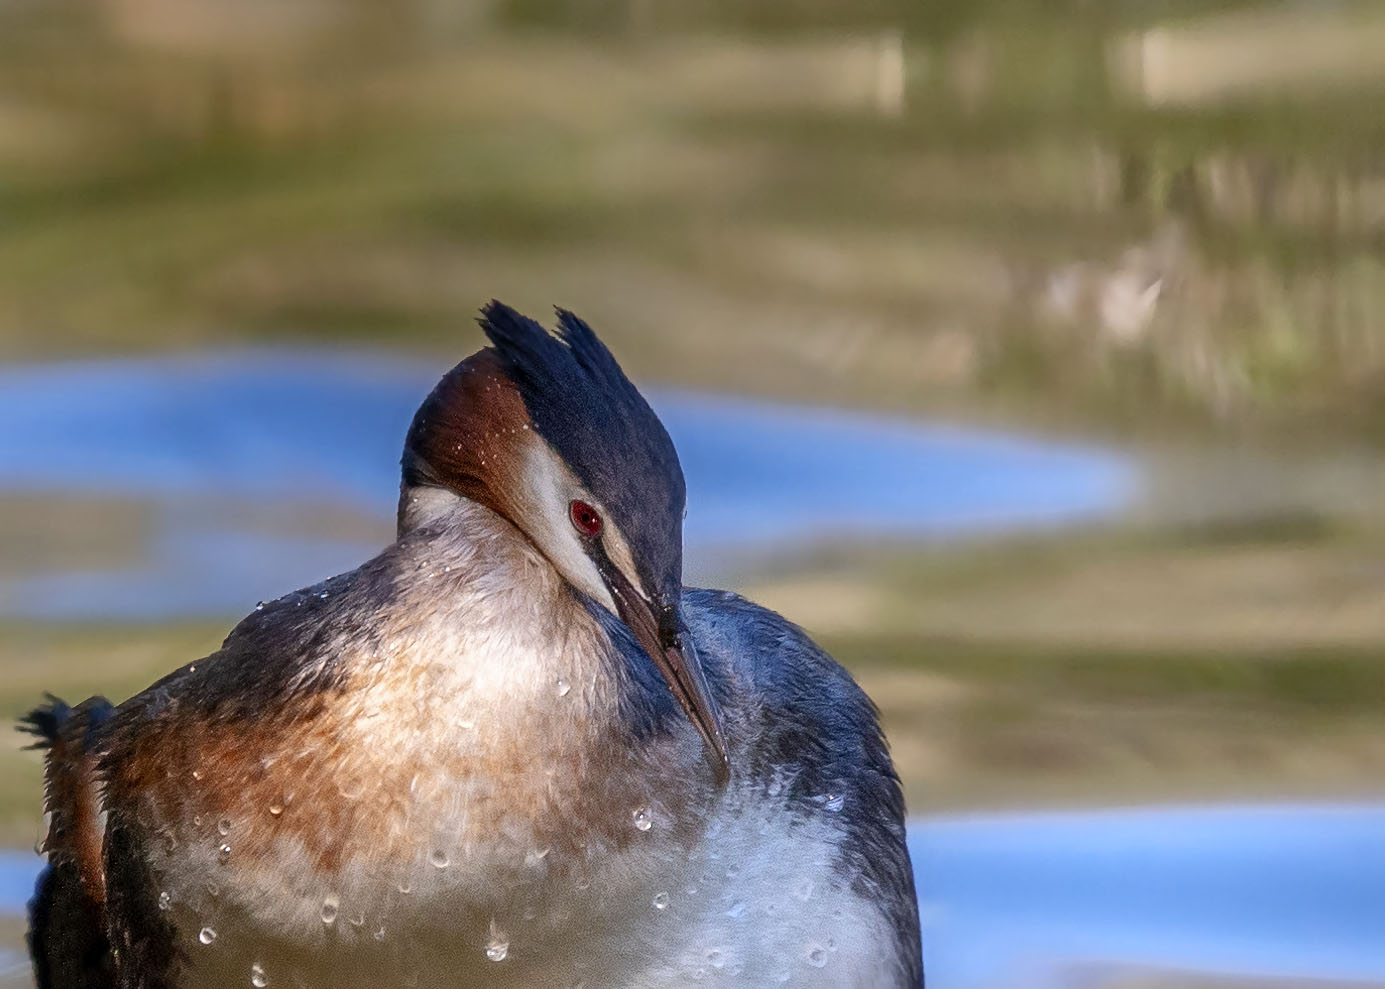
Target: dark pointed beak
(657, 628)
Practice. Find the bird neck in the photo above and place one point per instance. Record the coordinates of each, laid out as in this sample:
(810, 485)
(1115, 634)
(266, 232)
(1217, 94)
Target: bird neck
(510, 663)
(499, 635)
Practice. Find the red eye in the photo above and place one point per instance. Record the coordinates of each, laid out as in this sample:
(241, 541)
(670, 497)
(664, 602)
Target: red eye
(585, 519)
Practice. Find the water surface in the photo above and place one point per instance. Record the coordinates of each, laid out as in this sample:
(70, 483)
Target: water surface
(1039, 900)
(230, 452)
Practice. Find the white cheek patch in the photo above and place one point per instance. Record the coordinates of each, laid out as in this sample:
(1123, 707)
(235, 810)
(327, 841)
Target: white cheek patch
(547, 487)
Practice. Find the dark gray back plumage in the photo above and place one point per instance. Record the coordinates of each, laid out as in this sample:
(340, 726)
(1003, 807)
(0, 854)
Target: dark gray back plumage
(792, 710)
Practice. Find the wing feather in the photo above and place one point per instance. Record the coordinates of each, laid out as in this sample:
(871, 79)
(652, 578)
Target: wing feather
(67, 916)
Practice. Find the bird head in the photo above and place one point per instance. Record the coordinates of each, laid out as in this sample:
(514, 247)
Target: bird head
(547, 431)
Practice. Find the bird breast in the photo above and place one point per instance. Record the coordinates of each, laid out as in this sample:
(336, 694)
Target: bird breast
(465, 763)
(466, 805)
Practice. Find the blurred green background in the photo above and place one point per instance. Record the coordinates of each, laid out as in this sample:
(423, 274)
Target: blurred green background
(1127, 216)
(1158, 225)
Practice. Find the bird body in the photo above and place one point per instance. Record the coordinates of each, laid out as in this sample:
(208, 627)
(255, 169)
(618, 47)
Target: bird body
(463, 763)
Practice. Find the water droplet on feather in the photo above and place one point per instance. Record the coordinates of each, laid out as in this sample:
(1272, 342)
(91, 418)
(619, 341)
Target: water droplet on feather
(830, 802)
(498, 947)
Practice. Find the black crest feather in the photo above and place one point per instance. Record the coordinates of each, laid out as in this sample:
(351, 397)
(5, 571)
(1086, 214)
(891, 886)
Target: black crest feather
(582, 403)
(45, 722)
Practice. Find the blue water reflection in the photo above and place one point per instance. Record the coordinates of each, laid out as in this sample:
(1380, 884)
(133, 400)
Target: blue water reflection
(268, 430)
(1035, 900)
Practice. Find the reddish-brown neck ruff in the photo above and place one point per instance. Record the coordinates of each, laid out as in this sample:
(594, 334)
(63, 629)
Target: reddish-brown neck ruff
(469, 436)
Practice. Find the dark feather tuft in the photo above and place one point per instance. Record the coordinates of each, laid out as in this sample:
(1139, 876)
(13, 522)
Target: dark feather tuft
(582, 403)
(44, 722)
(47, 721)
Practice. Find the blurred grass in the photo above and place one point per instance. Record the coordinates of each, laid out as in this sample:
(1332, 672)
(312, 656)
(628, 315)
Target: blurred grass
(1115, 667)
(14, 955)
(681, 175)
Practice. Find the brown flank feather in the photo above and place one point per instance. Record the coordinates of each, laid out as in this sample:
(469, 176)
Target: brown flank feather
(68, 925)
